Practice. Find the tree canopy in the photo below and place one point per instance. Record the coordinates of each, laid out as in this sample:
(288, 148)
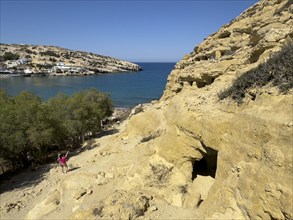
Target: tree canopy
(30, 125)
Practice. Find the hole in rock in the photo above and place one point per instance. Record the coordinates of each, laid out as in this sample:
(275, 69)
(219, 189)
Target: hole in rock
(204, 172)
(207, 166)
(200, 84)
(224, 34)
(206, 82)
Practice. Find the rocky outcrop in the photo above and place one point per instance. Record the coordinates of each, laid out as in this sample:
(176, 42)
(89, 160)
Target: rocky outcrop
(44, 58)
(236, 48)
(247, 147)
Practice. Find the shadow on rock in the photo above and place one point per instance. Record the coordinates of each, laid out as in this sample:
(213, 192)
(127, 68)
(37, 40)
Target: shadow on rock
(73, 168)
(106, 133)
(26, 178)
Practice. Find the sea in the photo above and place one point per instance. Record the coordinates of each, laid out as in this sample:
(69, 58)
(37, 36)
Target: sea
(126, 89)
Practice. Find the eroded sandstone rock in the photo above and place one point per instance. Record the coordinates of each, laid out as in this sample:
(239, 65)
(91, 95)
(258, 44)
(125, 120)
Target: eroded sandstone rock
(252, 140)
(120, 205)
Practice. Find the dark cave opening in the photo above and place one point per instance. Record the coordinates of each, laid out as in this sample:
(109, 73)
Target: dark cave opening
(207, 166)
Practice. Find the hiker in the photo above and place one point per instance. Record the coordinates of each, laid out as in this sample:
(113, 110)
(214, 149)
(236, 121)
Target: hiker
(30, 159)
(62, 162)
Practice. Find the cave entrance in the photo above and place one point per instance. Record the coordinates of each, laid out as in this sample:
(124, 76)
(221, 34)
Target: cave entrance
(207, 166)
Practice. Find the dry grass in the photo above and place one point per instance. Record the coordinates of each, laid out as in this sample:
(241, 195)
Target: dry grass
(277, 71)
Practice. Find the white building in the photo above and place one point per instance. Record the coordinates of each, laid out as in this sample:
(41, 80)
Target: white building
(11, 63)
(62, 67)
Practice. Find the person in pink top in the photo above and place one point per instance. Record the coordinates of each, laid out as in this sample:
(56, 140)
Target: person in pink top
(62, 161)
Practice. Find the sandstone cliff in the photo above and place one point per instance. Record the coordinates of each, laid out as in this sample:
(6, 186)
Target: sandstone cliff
(196, 153)
(250, 142)
(44, 58)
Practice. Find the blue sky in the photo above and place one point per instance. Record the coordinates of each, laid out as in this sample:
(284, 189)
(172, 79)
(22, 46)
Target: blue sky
(133, 30)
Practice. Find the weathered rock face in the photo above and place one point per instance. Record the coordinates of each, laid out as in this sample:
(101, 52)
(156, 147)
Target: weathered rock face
(237, 47)
(44, 57)
(250, 143)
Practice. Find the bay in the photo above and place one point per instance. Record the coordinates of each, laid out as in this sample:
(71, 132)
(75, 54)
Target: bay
(126, 89)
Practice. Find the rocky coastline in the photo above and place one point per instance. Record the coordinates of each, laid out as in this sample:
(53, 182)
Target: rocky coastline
(50, 60)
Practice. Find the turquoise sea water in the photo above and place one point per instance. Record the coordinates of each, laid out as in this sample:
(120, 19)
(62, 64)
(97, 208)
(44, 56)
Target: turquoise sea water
(126, 89)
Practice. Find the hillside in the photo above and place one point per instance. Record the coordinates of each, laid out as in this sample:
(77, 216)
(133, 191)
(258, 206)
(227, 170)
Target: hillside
(56, 60)
(217, 145)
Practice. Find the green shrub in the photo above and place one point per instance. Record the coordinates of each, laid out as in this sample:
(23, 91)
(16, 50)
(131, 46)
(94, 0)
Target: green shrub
(277, 71)
(29, 51)
(66, 55)
(50, 53)
(10, 56)
(52, 59)
(44, 66)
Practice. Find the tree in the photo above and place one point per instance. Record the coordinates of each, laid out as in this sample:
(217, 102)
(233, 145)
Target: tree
(81, 113)
(43, 130)
(58, 111)
(12, 137)
(6, 104)
(89, 107)
(24, 126)
(30, 125)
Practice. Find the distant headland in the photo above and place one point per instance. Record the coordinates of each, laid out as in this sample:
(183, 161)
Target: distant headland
(24, 60)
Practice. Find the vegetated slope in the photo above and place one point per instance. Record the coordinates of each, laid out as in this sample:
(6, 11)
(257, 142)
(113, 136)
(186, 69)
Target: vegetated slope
(277, 71)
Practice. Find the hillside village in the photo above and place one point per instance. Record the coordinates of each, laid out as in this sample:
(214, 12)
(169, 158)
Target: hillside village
(50, 60)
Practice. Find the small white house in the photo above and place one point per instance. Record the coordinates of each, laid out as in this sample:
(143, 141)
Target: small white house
(22, 61)
(11, 63)
(60, 64)
(62, 67)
